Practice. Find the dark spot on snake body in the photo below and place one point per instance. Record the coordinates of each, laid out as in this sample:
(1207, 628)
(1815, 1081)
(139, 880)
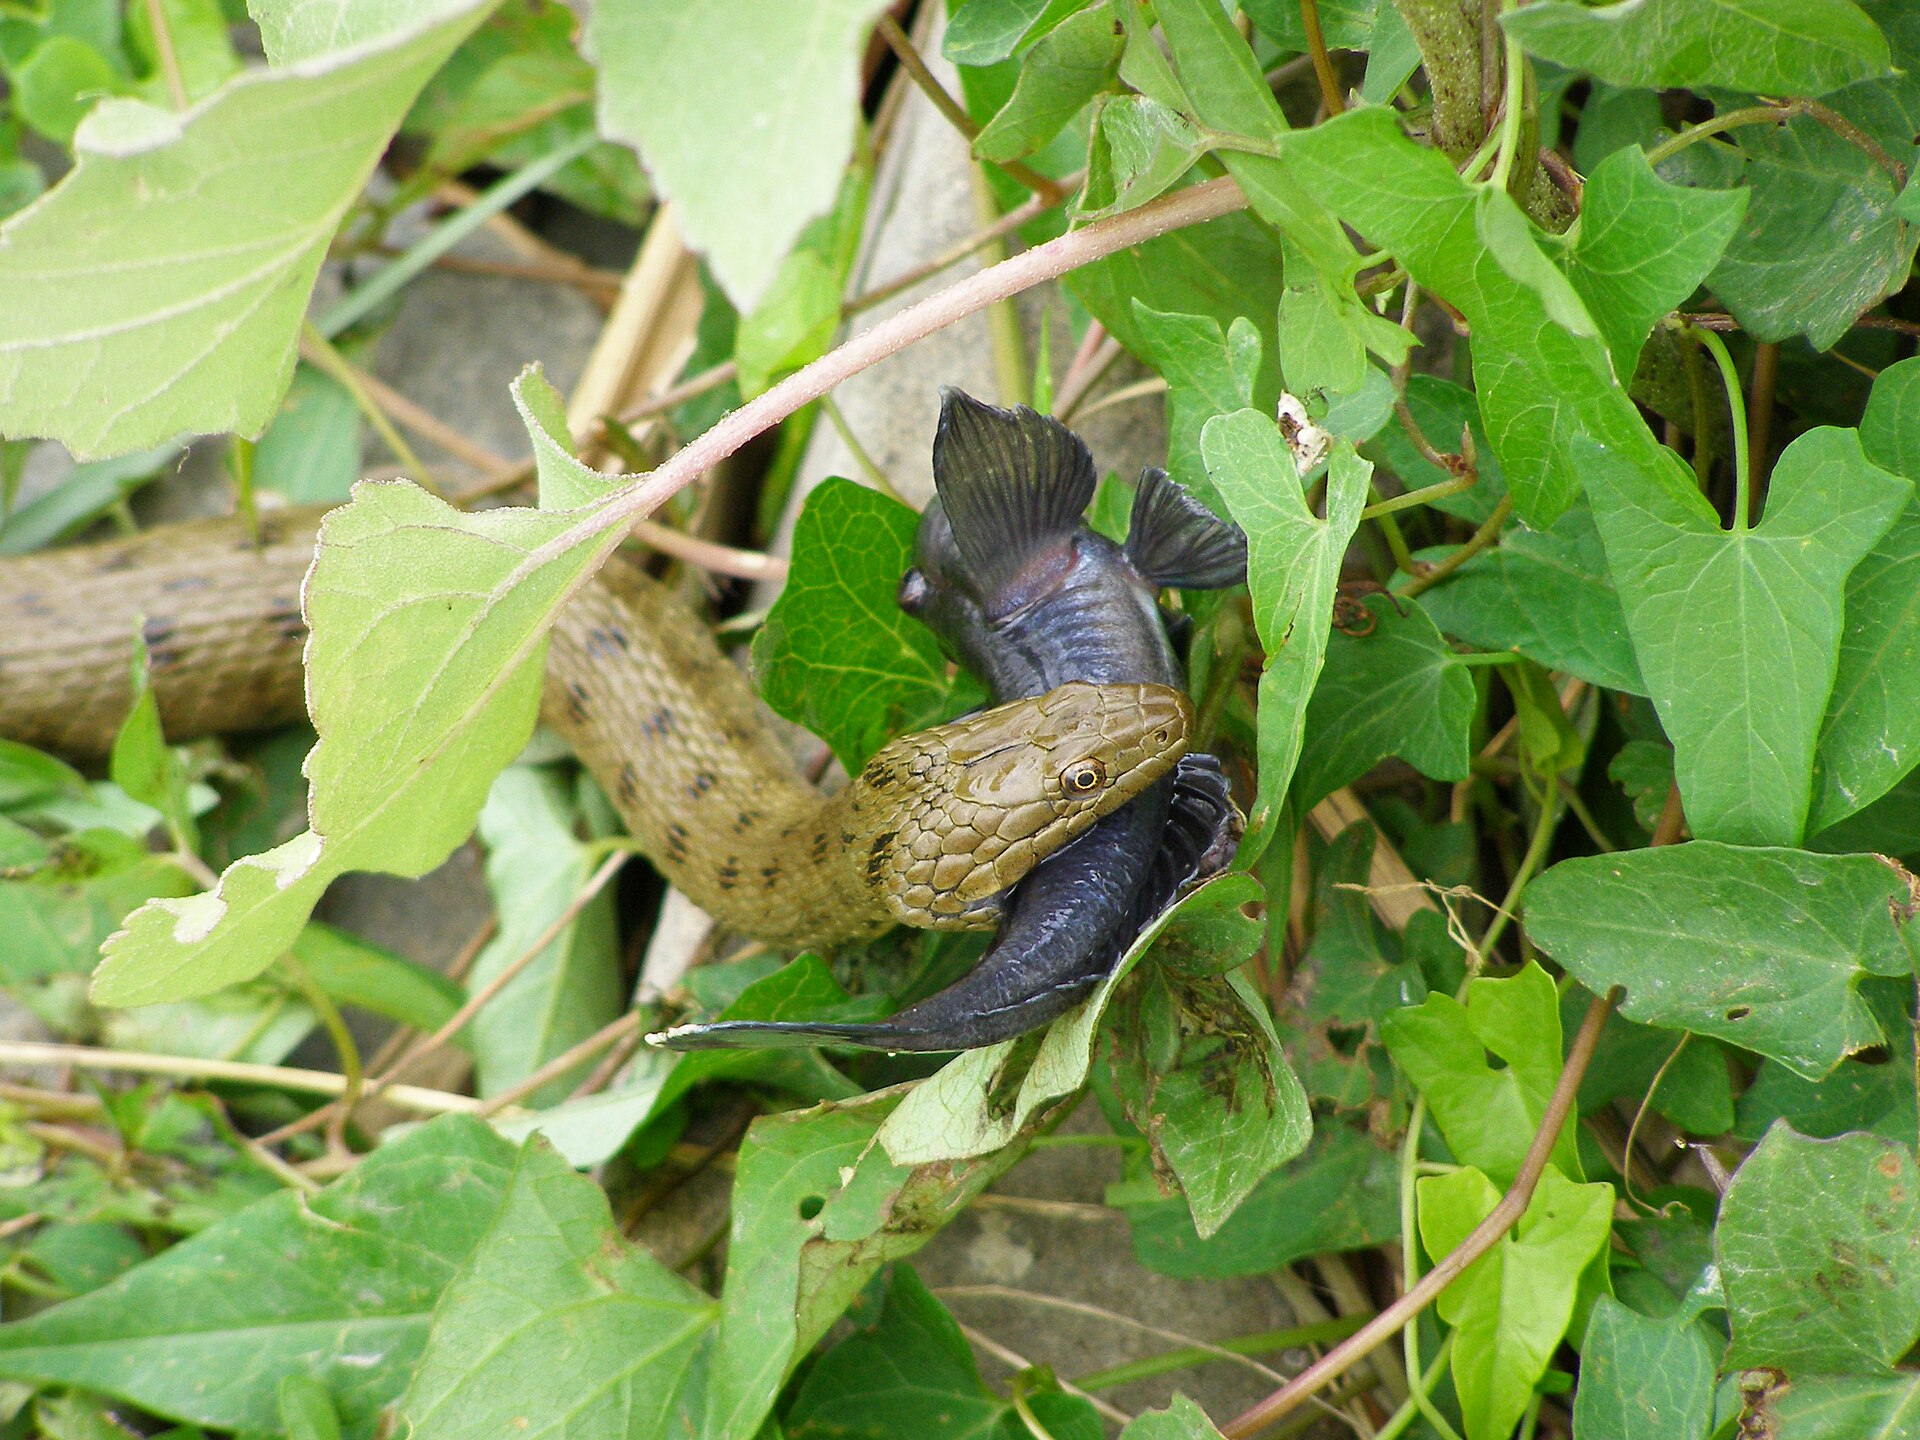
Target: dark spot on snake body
(770, 872)
(676, 841)
(745, 820)
(703, 781)
(179, 584)
(629, 788)
(576, 701)
(160, 657)
(846, 837)
(658, 724)
(606, 641)
(156, 632)
(34, 604)
(285, 616)
(728, 875)
(117, 560)
(820, 843)
(879, 776)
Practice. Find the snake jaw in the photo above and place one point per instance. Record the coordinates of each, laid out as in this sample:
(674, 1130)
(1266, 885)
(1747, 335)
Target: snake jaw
(995, 793)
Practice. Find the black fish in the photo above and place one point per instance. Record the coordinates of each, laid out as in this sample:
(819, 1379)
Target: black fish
(1028, 597)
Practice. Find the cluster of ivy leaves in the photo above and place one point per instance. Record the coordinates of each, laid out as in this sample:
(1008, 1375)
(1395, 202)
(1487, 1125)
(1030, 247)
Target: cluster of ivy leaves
(1581, 666)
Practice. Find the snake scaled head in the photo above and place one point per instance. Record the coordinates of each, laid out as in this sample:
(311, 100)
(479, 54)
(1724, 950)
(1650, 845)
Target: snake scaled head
(994, 794)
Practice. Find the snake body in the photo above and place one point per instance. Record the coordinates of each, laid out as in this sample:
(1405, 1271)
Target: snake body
(930, 832)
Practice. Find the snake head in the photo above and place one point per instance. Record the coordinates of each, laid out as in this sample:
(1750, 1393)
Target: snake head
(951, 817)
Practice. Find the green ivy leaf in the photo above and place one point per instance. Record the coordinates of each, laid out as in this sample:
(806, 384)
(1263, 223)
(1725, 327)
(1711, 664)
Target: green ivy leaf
(403, 586)
(1510, 1308)
(837, 654)
(1345, 24)
(962, 1111)
(1786, 47)
(60, 82)
(311, 450)
(1643, 1377)
(1642, 247)
(182, 326)
(749, 141)
(354, 972)
(1227, 92)
(1822, 240)
(985, 32)
(1871, 734)
(1071, 64)
(69, 900)
(1446, 413)
(1819, 1250)
(556, 1326)
(1547, 594)
(1856, 1096)
(1694, 1092)
(1738, 632)
(1293, 567)
(1763, 948)
(1540, 369)
(1397, 690)
(204, 1332)
(1488, 1115)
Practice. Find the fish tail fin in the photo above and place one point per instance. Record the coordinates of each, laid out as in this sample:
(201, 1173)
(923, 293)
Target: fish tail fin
(1014, 484)
(1173, 539)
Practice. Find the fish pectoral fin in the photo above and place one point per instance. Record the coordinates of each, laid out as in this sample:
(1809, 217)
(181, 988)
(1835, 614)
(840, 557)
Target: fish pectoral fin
(1203, 831)
(1014, 484)
(1173, 539)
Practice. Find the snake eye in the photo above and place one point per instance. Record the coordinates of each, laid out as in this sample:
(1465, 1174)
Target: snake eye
(1083, 778)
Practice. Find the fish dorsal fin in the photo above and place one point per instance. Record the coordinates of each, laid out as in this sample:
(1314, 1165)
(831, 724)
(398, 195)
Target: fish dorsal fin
(1173, 539)
(1014, 484)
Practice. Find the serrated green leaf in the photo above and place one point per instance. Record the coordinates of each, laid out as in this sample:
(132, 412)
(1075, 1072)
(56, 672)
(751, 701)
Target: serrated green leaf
(536, 867)
(1546, 594)
(555, 1326)
(1871, 734)
(181, 326)
(1293, 567)
(1487, 1114)
(1643, 1378)
(1763, 948)
(1540, 370)
(1510, 1308)
(1819, 1250)
(1642, 247)
(424, 673)
(837, 654)
(1395, 690)
(203, 1332)
(749, 141)
(961, 1111)
(1788, 47)
(1738, 632)
(1071, 64)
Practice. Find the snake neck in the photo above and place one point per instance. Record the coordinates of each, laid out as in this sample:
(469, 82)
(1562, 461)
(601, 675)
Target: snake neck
(697, 772)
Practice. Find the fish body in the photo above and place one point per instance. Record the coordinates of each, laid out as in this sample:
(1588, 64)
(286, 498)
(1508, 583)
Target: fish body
(1026, 596)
